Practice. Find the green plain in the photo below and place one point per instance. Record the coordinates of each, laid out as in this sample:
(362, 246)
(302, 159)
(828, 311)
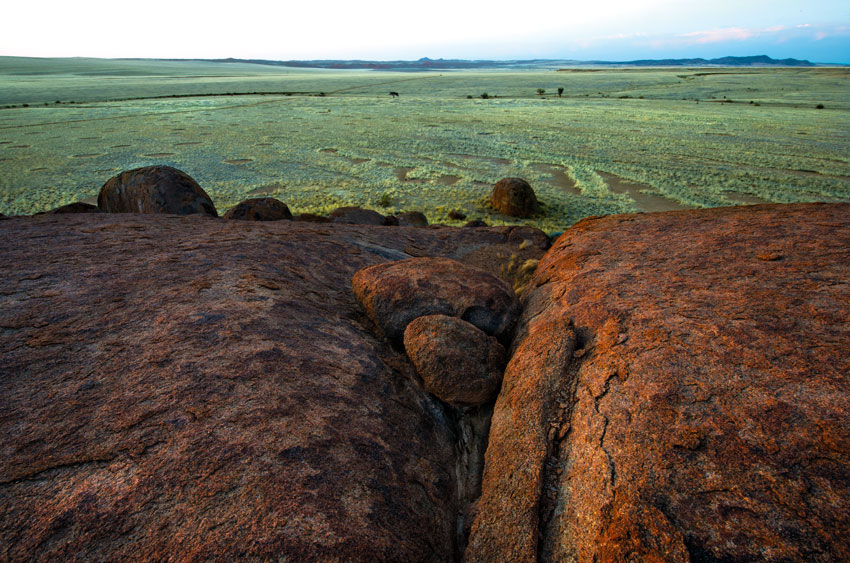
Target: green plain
(615, 141)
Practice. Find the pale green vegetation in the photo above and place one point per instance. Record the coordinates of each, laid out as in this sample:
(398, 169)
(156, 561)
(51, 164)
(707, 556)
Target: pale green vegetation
(613, 141)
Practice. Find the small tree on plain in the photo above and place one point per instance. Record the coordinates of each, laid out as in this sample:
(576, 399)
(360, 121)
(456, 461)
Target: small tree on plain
(540, 91)
(560, 91)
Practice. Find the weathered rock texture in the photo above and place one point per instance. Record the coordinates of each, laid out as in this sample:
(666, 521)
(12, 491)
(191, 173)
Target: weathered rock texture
(678, 391)
(154, 189)
(514, 197)
(396, 293)
(176, 388)
(259, 209)
(459, 363)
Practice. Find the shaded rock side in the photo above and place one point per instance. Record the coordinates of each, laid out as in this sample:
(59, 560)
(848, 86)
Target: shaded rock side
(209, 390)
(357, 216)
(678, 392)
(458, 362)
(76, 207)
(259, 209)
(514, 197)
(154, 189)
(412, 219)
(395, 293)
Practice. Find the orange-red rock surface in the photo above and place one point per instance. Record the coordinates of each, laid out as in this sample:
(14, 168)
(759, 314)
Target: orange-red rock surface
(678, 391)
(195, 389)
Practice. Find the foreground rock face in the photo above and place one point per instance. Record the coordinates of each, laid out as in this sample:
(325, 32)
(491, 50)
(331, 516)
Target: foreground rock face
(458, 362)
(154, 189)
(514, 197)
(208, 390)
(259, 209)
(396, 293)
(678, 392)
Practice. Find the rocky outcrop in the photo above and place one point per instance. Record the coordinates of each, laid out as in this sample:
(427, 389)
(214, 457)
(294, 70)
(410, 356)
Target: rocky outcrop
(677, 392)
(514, 197)
(357, 216)
(205, 390)
(154, 189)
(259, 209)
(209, 390)
(394, 294)
(458, 363)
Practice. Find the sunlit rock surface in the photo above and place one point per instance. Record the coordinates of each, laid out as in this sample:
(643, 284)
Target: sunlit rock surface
(678, 392)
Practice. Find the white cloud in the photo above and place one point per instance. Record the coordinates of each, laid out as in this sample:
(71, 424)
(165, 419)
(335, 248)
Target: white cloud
(719, 35)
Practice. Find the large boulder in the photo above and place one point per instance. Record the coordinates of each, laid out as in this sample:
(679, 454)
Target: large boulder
(395, 293)
(154, 189)
(514, 197)
(678, 392)
(457, 362)
(168, 389)
(259, 209)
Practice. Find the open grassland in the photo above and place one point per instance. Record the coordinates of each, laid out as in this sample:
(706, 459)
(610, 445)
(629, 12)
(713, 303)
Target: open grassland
(615, 141)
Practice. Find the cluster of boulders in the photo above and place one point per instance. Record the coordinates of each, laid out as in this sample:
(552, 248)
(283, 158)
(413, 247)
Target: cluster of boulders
(451, 318)
(163, 189)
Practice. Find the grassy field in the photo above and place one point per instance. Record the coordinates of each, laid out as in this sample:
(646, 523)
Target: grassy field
(615, 141)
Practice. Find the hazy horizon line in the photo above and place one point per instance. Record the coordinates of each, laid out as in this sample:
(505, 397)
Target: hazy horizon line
(427, 58)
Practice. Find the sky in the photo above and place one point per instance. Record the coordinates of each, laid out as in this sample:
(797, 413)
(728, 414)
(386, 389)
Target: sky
(618, 30)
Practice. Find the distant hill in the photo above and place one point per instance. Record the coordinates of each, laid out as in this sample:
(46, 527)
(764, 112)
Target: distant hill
(449, 64)
(758, 60)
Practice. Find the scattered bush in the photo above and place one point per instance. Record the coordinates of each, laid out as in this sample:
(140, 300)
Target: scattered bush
(819, 106)
(485, 96)
(540, 91)
(469, 97)
(560, 92)
(385, 200)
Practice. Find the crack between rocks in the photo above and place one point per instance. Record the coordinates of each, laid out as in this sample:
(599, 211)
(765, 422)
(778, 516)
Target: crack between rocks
(97, 461)
(612, 469)
(559, 427)
(71, 465)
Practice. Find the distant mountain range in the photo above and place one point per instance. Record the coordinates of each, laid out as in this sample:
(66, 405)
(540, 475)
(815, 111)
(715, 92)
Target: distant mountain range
(448, 64)
(758, 60)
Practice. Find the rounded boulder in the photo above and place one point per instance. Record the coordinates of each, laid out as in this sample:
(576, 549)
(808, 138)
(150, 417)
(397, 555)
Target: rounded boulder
(395, 293)
(458, 363)
(514, 197)
(154, 189)
(259, 209)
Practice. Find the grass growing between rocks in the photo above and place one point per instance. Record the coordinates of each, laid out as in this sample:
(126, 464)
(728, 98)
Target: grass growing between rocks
(615, 141)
